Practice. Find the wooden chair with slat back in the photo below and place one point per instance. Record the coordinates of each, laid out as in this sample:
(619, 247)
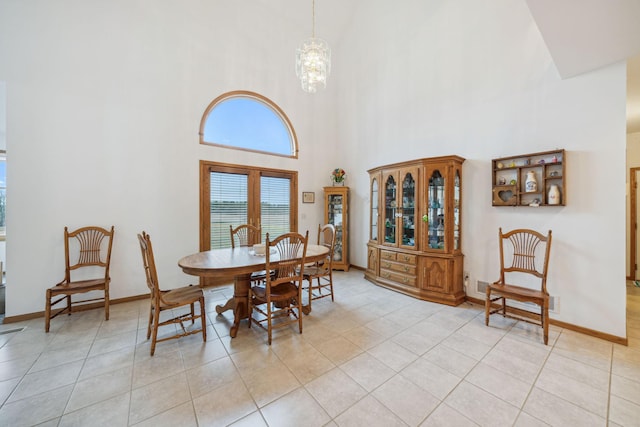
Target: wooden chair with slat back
(279, 302)
(248, 235)
(169, 300)
(321, 271)
(86, 249)
(244, 235)
(528, 254)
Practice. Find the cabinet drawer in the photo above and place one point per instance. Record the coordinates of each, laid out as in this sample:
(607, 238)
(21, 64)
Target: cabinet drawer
(388, 255)
(399, 278)
(403, 268)
(406, 258)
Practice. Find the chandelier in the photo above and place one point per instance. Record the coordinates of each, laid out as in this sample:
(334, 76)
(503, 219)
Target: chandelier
(313, 60)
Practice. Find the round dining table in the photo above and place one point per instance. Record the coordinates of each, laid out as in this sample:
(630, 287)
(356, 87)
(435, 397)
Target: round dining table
(239, 262)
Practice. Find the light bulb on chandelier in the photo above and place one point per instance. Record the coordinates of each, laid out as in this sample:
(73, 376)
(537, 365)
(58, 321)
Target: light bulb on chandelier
(313, 60)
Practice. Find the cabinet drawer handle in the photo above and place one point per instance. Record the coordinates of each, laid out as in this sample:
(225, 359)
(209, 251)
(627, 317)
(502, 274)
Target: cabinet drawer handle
(406, 269)
(406, 280)
(385, 275)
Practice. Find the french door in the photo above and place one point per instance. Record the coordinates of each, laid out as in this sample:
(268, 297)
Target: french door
(234, 195)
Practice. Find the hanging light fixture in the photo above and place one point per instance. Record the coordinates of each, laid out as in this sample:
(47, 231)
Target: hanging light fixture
(313, 60)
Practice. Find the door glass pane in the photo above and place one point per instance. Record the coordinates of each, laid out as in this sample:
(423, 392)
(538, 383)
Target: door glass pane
(228, 206)
(374, 210)
(436, 211)
(275, 206)
(334, 213)
(390, 210)
(408, 210)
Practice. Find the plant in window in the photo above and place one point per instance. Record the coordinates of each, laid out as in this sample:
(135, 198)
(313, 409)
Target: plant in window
(338, 175)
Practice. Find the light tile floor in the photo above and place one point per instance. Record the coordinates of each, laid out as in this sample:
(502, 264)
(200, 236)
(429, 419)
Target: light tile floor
(372, 358)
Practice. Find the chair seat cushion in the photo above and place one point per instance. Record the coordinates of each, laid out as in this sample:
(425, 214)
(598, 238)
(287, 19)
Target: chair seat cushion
(518, 292)
(78, 285)
(182, 296)
(280, 292)
(315, 271)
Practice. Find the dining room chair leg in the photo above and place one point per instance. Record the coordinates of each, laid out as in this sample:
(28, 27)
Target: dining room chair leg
(203, 319)
(150, 321)
(154, 339)
(106, 303)
(299, 304)
(269, 322)
(310, 293)
(487, 306)
(545, 321)
(47, 312)
(250, 309)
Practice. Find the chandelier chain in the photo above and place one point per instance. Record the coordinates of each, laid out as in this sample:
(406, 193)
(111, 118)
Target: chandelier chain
(313, 18)
(313, 59)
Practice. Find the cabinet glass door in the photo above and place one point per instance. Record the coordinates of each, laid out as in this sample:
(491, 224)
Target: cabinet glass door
(408, 214)
(456, 211)
(334, 212)
(436, 210)
(390, 210)
(374, 210)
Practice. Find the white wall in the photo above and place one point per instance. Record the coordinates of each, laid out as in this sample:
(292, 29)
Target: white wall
(105, 99)
(475, 79)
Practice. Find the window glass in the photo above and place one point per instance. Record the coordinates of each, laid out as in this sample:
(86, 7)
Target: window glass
(275, 206)
(228, 195)
(231, 195)
(3, 192)
(248, 121)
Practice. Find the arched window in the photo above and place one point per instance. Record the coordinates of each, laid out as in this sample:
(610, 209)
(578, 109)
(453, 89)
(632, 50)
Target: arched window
(248, 121)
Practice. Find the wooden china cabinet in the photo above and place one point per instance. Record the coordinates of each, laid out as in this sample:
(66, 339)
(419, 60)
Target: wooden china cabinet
(336, 212)
(415, 228)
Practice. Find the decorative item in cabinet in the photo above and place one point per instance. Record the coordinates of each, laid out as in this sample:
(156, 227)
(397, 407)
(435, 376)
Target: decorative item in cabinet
(535, 179)
(415, 246)
(399, 208)
(336, 203)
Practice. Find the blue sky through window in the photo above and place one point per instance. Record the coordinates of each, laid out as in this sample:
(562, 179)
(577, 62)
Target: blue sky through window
(244, 122)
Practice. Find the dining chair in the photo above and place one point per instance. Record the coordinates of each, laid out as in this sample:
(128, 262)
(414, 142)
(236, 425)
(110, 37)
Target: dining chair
(248, 235)
(524, 254)
(244, 235)
(87, 254)
(279, 302)
(169, 300)
(321, 271)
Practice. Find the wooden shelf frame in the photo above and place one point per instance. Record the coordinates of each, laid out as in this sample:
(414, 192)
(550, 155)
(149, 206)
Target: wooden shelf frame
(508, 176)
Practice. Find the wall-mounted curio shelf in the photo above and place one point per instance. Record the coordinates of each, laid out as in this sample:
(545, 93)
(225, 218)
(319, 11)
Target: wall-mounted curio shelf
(536, 179)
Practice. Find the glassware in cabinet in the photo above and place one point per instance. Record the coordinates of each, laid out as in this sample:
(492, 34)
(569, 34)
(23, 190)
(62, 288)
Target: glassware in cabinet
(337, 214)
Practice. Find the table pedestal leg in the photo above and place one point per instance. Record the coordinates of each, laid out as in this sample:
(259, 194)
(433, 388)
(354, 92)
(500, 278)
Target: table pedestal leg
(241, 286)
(229, 305)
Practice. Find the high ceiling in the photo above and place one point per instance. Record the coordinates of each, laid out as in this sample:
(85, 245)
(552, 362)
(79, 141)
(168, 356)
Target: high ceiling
(581, 35)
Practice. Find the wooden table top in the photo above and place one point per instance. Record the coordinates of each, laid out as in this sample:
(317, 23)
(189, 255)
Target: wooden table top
(231, 262)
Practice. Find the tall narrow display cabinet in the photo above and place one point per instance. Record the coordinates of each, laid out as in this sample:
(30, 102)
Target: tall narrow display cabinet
(336, 212)
(415, 234)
